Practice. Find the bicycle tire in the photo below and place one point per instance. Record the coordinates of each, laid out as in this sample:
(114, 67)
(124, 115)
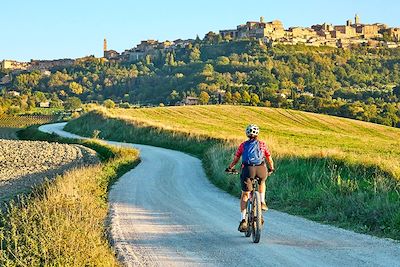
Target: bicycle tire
(257, 218)
(248, 219)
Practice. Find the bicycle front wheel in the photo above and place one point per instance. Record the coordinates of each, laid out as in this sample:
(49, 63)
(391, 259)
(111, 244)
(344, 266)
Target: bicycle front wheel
(248, 219)
(257, 219)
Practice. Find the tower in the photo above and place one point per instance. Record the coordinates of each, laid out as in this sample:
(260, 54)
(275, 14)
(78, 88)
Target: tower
(356, 19)
(105, 45)
(262, 19)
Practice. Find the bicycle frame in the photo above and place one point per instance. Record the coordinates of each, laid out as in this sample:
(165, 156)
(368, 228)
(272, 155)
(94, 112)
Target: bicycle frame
(254, 217)
(254, 213)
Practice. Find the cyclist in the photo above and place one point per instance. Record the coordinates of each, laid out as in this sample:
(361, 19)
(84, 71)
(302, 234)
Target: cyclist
(255, 155)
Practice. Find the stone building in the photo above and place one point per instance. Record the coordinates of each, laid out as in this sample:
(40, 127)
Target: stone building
(394, 33)
(343, 31)
(256, 30)
(232, 34)
(301, 32)
(111, 55)
(14, 65)
(48, 64)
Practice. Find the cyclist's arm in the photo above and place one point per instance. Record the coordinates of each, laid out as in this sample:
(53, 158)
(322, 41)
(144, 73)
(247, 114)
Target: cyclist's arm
(234, 162)
(270, 163)
(237, 156)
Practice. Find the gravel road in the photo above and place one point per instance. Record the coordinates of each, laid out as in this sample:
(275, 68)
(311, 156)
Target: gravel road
(27, 163)
(165, 212)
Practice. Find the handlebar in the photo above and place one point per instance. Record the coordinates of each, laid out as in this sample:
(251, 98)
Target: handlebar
(231, 171)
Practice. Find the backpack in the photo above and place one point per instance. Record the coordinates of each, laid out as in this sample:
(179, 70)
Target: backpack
(252, 153)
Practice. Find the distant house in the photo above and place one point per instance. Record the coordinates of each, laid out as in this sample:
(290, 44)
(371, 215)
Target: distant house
(308, 94)
(46, 72)
(13, 93)
(44, 104)
(189, 100)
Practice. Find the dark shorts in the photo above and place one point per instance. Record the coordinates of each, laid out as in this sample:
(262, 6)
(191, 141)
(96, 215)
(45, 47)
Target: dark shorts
(249, 172)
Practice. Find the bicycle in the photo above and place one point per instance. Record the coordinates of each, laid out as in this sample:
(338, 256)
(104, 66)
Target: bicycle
(254, 217)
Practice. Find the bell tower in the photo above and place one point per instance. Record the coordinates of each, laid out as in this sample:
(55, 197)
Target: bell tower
(357, 19)
(104, 45)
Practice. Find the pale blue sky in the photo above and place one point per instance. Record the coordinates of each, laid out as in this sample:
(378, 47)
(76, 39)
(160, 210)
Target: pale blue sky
(50, 29)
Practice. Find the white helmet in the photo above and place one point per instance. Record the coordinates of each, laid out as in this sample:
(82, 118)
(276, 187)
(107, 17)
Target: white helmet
(252, 130)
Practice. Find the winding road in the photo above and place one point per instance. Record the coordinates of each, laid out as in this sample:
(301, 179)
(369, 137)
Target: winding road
(165, 212)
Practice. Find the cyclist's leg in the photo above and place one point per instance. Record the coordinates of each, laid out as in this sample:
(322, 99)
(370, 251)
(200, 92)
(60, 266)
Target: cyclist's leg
(244, 182)
(261, 172)
(246, 185)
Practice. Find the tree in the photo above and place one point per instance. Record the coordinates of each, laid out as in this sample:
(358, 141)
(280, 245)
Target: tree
(148, 59)
(228, 97)
(246, 97)
(27, 81)
(108, 103)
(194, 54)
(255, 100)
(76, 88)
(222, 60)
(59, 79)
(170, 59)
(55, 102)
(236, 97)
(173, 97)
(40, 97)
(72, 103)
(396, 92)
(208, 70)
(204, 97)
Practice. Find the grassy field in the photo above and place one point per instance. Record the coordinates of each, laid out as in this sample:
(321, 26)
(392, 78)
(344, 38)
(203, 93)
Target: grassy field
(287, 132)
(24, 121)
(9, 125)
(62, 223)
(329, 169)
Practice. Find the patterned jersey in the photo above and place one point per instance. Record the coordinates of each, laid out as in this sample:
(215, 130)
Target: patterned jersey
(263, 148)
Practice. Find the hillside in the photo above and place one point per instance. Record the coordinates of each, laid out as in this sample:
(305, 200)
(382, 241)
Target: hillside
(338, 171)
(357, 83)
(288, 132)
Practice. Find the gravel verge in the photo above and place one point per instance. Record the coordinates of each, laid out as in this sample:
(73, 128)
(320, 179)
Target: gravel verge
(24, 164)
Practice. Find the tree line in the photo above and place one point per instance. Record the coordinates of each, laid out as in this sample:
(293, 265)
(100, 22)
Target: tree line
(360, 83)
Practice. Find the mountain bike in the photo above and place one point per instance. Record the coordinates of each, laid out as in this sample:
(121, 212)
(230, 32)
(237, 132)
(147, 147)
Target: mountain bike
(254, 217)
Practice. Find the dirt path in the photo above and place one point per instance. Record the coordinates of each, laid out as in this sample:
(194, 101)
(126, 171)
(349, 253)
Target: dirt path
(24, 164)
(165, 212)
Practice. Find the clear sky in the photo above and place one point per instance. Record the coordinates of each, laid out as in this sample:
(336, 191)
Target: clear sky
(51, 29)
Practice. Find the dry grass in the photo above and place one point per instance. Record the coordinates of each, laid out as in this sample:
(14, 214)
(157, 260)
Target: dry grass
(62, 223)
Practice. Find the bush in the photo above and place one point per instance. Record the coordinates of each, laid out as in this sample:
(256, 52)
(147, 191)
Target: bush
(109, 103)
(124, 105)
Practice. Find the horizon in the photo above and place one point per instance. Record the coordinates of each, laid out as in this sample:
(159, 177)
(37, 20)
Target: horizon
(79, 29)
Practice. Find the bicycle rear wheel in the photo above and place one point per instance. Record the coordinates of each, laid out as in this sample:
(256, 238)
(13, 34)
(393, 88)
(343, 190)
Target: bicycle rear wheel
(257, 219)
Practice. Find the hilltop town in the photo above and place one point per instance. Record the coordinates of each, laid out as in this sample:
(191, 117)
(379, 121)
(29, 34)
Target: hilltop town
(352, 34)
(272, 33)
(341, 36)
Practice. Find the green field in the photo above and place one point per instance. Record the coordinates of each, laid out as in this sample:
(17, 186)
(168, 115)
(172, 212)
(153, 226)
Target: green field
(329, 169)
(24, 121)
